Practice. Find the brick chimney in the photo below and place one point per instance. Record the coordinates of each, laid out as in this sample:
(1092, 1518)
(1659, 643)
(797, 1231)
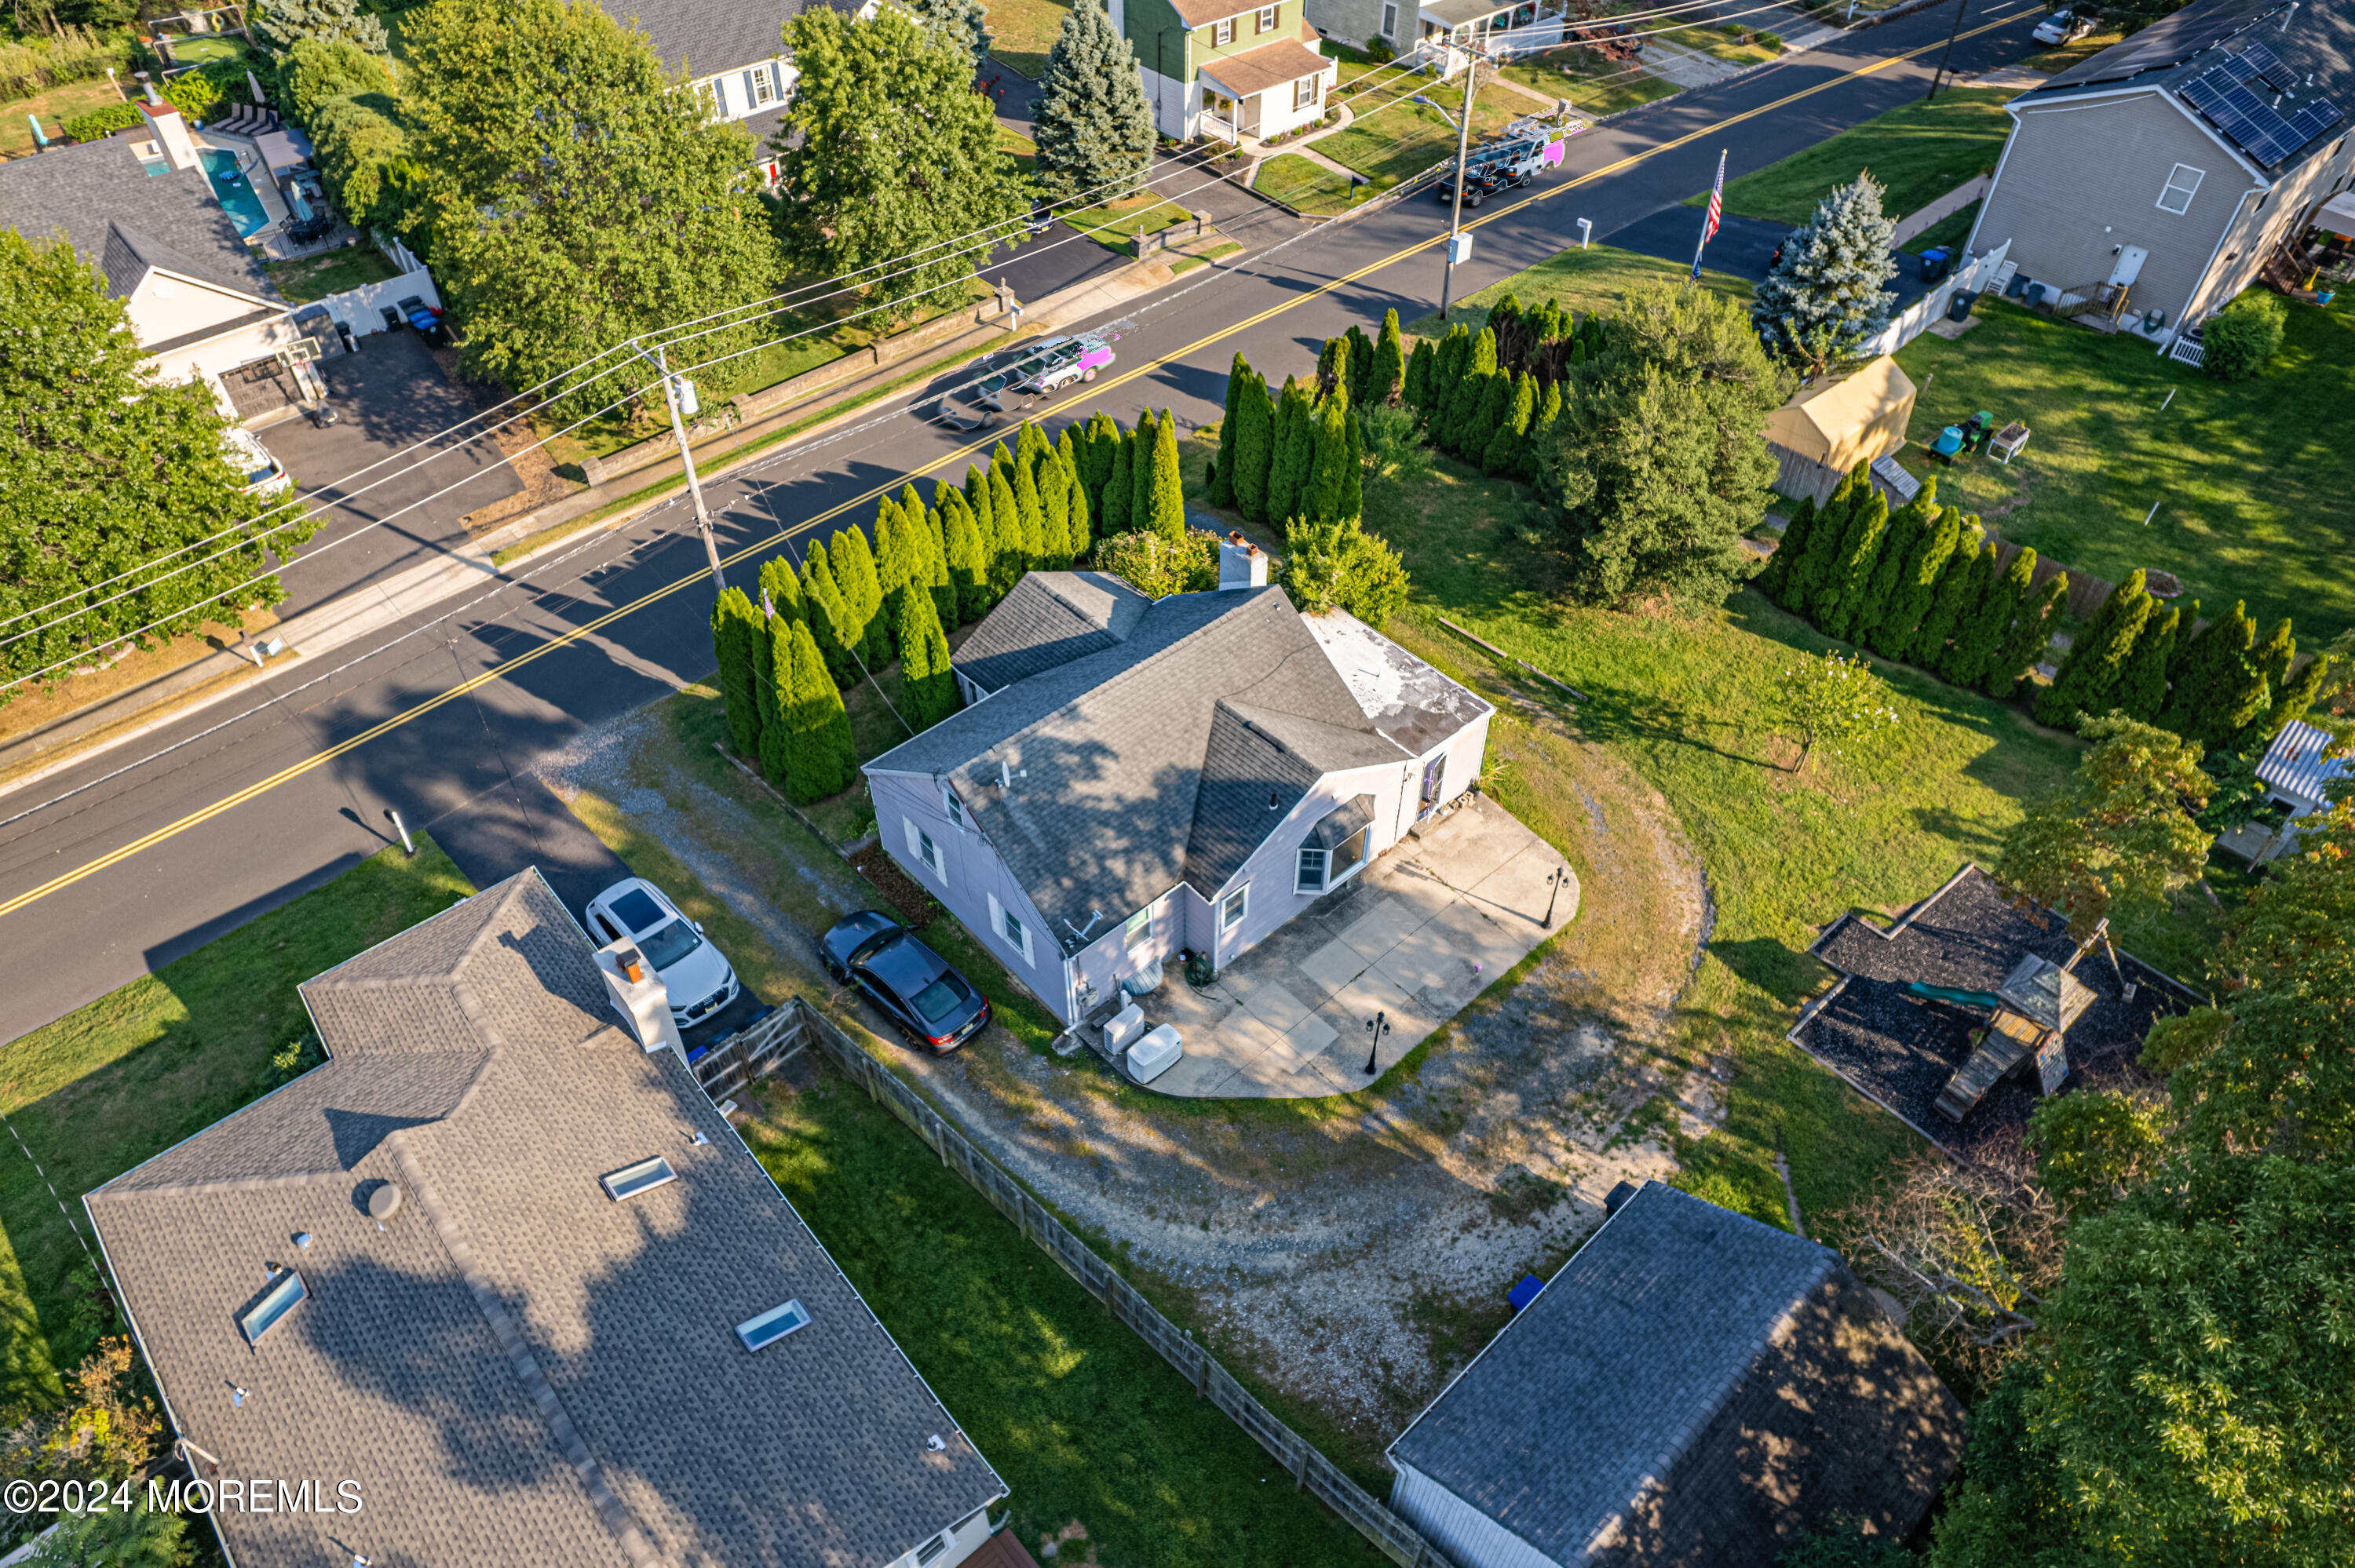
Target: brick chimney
(171, 130)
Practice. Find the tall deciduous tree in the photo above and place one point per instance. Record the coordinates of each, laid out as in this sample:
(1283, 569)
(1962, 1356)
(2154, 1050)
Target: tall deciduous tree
(886, 151)
(2119, 838)
(1657, 463)
(1093, 128)
(1834, 700)
(105, 469)
(1824, 300)
(553, 247)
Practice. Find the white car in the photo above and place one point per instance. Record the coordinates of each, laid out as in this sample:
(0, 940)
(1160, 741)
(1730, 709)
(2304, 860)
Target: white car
(2062, 27)
(261, 473)
(699, 979)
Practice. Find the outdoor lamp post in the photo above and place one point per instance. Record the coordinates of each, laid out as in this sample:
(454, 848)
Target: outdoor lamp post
(1377, 1026)
(1557, 879)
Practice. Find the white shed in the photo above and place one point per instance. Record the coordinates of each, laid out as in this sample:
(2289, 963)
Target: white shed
(2295, 772)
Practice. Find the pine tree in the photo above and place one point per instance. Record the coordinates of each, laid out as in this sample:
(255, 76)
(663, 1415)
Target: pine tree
(1030, 509)
(1909, 607)
(1414, 390)
(1971, 642)
(1295, 441)
(777, 738)
(1093, 127)
(2142, 685)
(2024, 642)
(1117, 489)
(1361, 365)
(1104, 440)
(1332, 366)
(1542, 436)
(761, 661)
(1255, 448)
(1469, 393)
(734, 638)
(1812, 572)
(892, 563)
(2218, 691)
(1222, 478)
(1386, 366)
(1353, 473)
(924, 663)
(820, 758)
(1849, 580)
(1503, 454)
(1082, 528)
(969, 559)
(1321, 497)
(1950, 599)
(963, 24)
(1772, 576)
(1164, 514)
(1489, 417)
(1008, 552)
(781, 590)
(1901, 557)
(2084, 686)
(1978, 642)
(1824, 300)
(862, 590)
(977, 500)
(1076, 538)
(835, 630)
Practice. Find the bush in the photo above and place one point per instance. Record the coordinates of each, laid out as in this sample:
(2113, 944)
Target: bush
(2240, 339)
(1379, 51)
(315, 72)
(194, 94)
(1156, 567)
(75, 54)
(102, 122)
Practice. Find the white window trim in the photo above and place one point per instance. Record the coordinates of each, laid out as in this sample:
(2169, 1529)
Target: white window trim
(1389, 22)
(1324, 869)
(1269, 16)
(918, 842)
(1223, 31)
(999, 918)
(1310, 83)
(1135, 935)
(953, 808)
(2189, 191)
(1241, 899)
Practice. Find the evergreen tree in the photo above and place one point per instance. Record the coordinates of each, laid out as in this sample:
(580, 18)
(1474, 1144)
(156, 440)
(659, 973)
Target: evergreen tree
(1503, 454)
(1901, 557)
(1140, 471)
(1164, 514)
(1077, 537)
(1824, 300)
(1468, 394)
(2086, 684)
(1850, 582)
(1950, 599)
(2142, 685)
(735, 631)
(285, 24)
(776, 738)
(835, 631)
(1909, 606)
(2271, 658)
(1353, 475)
(1978, 643)
(1103, 440)
(1543, 435)
(1029, 507)
(893, 566)
(820, 757)
(968, 559)
(1361, 366)
(853, 561)
(924, 663)
(1321, 496)
(1222, 478)
(1029, 446)
(2294, 696)
(1255, 448)
(781, 590)
(976, 498)
(1118, 489)
(1093, 128)
(1414, 388)
(1826, 543)
(933, 536)
(961, 23)
(2024, 642)
(1970, 642)
(1489, 417)
(2219, 691)
(1294, 452)
(1332, 366)
(1008, 553)
(1775, 575)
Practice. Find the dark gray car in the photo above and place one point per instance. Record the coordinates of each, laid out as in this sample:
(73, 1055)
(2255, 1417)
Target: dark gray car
(932, 1005)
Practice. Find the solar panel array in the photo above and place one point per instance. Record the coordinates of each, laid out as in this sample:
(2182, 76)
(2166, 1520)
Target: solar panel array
(2223, 94)
(2168, 41)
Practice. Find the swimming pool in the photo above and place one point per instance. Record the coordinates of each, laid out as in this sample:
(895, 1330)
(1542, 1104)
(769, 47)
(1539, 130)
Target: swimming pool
(235, 191)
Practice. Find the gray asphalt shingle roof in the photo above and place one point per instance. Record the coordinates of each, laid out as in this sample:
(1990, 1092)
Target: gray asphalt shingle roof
(514, 1367)
(122, 219)
(1138, 762)
(1048, 618)
(708, 35)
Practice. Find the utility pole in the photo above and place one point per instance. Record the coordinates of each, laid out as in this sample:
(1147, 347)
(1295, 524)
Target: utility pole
(661, 359)
(1960, 6)
(1462, 158)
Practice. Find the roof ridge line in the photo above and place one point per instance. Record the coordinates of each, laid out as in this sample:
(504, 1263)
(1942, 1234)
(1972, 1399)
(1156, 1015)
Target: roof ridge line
(1124, 674)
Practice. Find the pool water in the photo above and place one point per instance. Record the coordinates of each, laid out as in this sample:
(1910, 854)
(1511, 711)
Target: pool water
(235, 191)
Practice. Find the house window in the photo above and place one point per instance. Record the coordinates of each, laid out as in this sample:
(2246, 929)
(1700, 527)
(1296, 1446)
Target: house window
(954, 808)
(1009, 929)
(284, 1295)
(1390, 21)
(1267, 18)
(1140, 927)
(1231, 912)
(760, 87)
(1321, 870)
(1310, 878)
(2182, 182)
(1223, 31)
(757, 1333)
(920, 845)
(632, 1180)
(931, 1550)
(1304, 91)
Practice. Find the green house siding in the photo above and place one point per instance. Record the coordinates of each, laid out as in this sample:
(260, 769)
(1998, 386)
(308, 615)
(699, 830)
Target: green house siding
(1163, 42)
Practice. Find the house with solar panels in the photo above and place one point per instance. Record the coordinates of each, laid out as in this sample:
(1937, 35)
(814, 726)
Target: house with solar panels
(2158, 178)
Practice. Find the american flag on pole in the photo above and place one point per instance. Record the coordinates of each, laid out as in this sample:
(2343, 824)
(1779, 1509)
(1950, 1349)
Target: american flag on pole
(1709, 224)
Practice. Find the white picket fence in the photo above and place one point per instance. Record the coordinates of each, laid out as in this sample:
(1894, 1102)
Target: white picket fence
(363, 307)
(1915, 319)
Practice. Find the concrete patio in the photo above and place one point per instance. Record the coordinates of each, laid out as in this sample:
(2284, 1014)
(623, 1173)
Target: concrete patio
(1419, 934)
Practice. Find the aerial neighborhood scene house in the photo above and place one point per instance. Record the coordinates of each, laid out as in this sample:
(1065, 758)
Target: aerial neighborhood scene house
(918, 784)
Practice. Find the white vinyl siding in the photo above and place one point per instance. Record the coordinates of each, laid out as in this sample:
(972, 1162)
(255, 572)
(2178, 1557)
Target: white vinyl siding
(954, 807)
(1304, 91)
(1233, 908)
(1468, 1536)
(921, 844)
(2182, 185)
(1009, 929)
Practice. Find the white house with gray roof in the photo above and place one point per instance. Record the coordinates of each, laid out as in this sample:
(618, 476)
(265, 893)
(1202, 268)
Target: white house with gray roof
(496, 1284)
(733, 53)
(2175, 164)
(1693, 1389)
(1132, 778)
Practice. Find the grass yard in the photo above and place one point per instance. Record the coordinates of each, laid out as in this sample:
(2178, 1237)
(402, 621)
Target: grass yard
(54, 106)
(1086, 1424)
(1918, 151)
(1950, 230)
(1021, 32)
(1118, 223)
(1310, 186)
(1595, 87)
(1391, 139)
(1020, 148)
(2054, 61)
(213, 48)
(129, 1075)
(2250, 478)
(1597, 278)
(1726, 43)
(316, 277)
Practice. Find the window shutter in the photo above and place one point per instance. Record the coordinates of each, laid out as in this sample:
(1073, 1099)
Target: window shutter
(915, 838)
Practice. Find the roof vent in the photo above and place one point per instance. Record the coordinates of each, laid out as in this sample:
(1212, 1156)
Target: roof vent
(384, 1203)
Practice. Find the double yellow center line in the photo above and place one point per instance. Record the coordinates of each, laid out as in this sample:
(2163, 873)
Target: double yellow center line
(501, 671)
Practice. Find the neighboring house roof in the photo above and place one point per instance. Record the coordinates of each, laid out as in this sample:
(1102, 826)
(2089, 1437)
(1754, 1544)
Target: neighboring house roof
(1272, 65)
(2208, 57)
(1202, 12)
(707, 35)
(99, 197)
(1151, 743)
(1592, 1419)
(2298, 762)
(515, 1367)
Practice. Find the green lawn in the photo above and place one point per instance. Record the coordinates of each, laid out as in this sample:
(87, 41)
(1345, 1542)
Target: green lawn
(1021, 32)
(128, 1076)
(1085, 1422)
(1390, 138)
(1117, 224)
(2056, 60)
(217, 48)
(1593, 279)
(316, 277)
(1725, 43)
(1595, 87)
(1918, 151)
(54, 107)
(2250, 478)
(1950, 230)
(1309, 186)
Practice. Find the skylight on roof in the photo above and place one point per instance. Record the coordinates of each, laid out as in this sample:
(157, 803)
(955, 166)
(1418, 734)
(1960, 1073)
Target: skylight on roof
(281, 1298)
(632, 1180)
(766, 1330)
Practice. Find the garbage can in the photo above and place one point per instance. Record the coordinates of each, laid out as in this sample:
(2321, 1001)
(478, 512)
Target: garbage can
(1959, 307)
(1935, 264)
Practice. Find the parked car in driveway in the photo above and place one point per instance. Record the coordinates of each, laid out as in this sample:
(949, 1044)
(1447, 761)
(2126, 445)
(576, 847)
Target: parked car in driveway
(933, 1007)
(698, 976)
(260, 473)
(2062, 27)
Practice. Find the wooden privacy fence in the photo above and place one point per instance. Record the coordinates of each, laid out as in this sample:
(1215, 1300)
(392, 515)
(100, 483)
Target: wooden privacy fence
(1310, 1470)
